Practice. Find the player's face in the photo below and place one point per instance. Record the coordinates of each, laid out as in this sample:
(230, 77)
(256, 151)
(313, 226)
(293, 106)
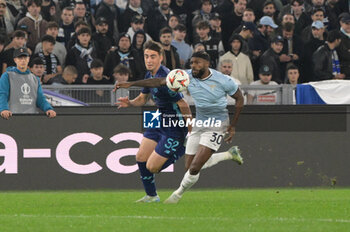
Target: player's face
(318, 16)
(67, 16)
(80, 10)
(48, 47)
(269, 10)
(288, 19)
(152, 60)
(206, 7)
(34, 10)
(240, 6)
(287, 34)
(97, 72)
(345, 26)
(277, 47)
(165, 39)
(124, 44)
(198, 66)
(84, 39)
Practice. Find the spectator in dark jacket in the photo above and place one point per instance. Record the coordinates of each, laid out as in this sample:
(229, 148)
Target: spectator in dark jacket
(171, 58)
(124, 54)
(158, 18)
(82, 54)
(111, 12)
(133, 8)
(344, 47)
(102, 42)
(66, 26)
(271, 58)
(325, 60)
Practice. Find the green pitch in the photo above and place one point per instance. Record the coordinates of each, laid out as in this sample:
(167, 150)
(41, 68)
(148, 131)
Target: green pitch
(269, 210)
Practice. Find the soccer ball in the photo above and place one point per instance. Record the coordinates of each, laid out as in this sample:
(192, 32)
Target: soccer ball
(177, 80)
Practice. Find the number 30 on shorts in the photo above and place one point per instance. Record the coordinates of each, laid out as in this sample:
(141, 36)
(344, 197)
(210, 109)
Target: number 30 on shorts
(216, 139)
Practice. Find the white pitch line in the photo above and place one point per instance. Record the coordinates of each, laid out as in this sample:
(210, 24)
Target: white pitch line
(281, 219)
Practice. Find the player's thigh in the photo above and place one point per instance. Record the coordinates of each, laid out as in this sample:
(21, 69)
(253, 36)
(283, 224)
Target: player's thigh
(155, 162)
(192, 143)
(147, 146)
(202, 156)
(213, 138)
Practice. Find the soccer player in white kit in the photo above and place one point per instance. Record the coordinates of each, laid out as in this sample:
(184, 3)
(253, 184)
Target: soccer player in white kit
(208, 89)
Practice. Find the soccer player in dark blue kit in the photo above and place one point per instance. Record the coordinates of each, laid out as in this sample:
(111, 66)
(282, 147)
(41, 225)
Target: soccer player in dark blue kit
(159, 147)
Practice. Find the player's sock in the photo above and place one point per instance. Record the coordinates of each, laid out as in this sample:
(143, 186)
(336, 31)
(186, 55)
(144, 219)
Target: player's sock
(187, 182)
(147, 179)
(216, 158)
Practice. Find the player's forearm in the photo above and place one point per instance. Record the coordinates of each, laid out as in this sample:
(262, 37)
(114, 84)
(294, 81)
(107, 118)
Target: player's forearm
(238, 107)
(138, 101)
(150, 83)
(185, 111)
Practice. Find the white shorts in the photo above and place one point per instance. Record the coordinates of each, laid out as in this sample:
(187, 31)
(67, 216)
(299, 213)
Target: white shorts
(209, 137)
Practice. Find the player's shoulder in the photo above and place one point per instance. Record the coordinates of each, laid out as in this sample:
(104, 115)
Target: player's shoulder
(163, 70)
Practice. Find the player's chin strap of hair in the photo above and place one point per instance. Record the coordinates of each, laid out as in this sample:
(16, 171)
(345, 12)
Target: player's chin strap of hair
(202, 55)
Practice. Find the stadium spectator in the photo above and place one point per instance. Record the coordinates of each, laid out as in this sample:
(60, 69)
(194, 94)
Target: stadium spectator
(111, 12)
(248, 16)
(232, 20)
(137, 23)
(101, 40)
(173, 21)
(183, 10)
(292, 75)
(81, 14)
(326, 63)
(66, 26)
(133, 9)
(49, 10)
(18, 40)
(183, 49)
(138, 41)
(158, 18)
(344, 47)
(248, 28)
(262, 96)
(171, 58)
(271, 59)
(36, 24)
(12, 99)
(121, 73)
(52, 65)
(296, 7)
(316, 15)
(213, 46)
(59, 50)
(203, 13)
(2, 46)
(310, 47)
(332, 12)
(226, 67)
(82, 54)
(215, 25)
(73, 39)
(293, 47)
(269, 9)
(6, 26)
(36, 66)
(124, 55)
(242, 67)
(97, 77)
(69, 75)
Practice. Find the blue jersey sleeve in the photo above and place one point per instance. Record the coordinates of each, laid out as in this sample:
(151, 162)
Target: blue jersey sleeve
(229, 85)
(41, 101)
(4, 92)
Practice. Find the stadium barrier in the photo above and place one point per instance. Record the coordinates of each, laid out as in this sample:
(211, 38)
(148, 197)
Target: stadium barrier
(95, 147)
(103, 95)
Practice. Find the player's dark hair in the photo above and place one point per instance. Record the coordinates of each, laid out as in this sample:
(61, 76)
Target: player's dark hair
(269, 2)
(292, 67)
(122, 70)
(300, 2)
(180, 27)
(69, 8)
(154, 46)
(52, 24)
(317, 9)
(19, 34)
(203, 24)
(79, 23)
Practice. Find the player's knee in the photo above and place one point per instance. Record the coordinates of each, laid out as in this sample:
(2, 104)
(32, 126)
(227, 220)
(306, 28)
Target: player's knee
(140, 157)
(152, 168)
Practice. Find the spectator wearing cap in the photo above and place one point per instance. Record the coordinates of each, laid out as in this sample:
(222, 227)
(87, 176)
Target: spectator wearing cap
(36, 24)
(248, 16)
(52, 64)
(271, 58)
(58, 50)
(6, 26)
(316, 15)
(184, 50)
(344, 47)
(203, 13)
(18, 40)
(15, 79)
(242, 67)
(133, 8)
(232, 20)
(111, 12)
(102, 42)
(247, 32)
(126, 55)
(137, 23)
(81, 14)
(269, 9)
(317, 40)
(213, 46)
(66, 26)
(158, 18)
(326, 63)
(293, 48)
(171, 58)
(82, 54)
(215, 25)
(263, 96)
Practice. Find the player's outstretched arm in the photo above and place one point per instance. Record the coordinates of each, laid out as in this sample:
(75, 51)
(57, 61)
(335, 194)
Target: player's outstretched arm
(239, 106)
(124, 102)
(185, 111)
(150, 83)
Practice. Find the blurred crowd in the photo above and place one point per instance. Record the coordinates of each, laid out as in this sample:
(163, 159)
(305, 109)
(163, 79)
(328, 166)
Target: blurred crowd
(256, 42)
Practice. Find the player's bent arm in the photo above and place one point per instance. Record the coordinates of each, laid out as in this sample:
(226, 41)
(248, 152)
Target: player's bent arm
(150, 83)
(139, 100)
(238, 96)
(185, 111)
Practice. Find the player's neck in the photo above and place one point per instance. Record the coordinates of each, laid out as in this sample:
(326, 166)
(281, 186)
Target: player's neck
(22, 69)
(154, 71)
(205, 75)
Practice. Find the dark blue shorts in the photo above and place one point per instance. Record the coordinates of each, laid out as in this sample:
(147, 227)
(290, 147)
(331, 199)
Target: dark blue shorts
(170, 143)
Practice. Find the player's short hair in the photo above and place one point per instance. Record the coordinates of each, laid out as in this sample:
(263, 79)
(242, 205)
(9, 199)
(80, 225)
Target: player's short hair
(202, 54)
(317, 9)
(52, 24)
(36, 2)
(36, 61)
(96, 63)
(154, 46)
(269, 2)
(122, 70)
(203, 25)
(288, 27)
(48, 38)
(70, 69)
(84, 30)
(165, 30)
(180, 27)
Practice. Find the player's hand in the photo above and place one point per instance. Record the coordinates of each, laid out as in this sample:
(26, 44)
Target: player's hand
(51, 113)
(123, 85)
(229, 134)
(123, 102)
(6, 114)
